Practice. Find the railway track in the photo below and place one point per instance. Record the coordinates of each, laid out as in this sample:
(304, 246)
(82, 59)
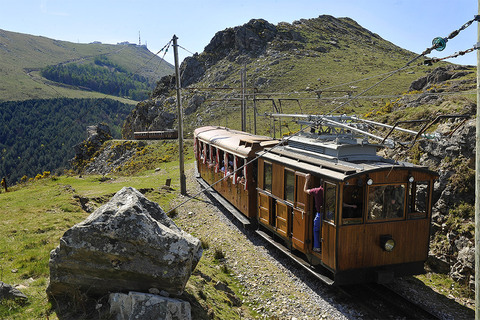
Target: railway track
(373, 301)
(378, 302)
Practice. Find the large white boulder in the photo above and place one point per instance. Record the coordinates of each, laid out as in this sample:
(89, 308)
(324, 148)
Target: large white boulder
(128, 244)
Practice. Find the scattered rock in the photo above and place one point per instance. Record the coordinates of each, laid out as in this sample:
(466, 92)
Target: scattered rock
(7, 292)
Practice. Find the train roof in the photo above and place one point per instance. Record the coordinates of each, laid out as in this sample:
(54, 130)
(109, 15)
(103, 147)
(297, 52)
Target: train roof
(236, 142)
(341, 159)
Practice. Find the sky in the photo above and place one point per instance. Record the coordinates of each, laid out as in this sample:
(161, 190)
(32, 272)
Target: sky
(410, 24)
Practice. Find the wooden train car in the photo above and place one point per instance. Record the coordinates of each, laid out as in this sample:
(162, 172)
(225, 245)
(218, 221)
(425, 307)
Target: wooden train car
(376, 211)
(155, 135)
(219, 153)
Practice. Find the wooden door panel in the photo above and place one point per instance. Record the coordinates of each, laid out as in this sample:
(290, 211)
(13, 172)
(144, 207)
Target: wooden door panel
(299, 229)
(301, 198)
(282, 219)
(328, 244)
(264, 206)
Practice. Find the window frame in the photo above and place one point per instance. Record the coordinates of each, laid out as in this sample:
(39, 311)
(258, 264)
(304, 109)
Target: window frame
(412, 212)
(326, 205)
(286, 186)
(367, 213)
(269, 165)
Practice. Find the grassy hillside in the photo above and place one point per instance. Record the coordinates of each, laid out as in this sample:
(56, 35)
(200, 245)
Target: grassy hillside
(39, 135)
(319, 62)
(35, 215)
(22, 56)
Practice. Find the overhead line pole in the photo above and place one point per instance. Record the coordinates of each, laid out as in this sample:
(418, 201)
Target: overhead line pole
(183, 186)
(477, 183)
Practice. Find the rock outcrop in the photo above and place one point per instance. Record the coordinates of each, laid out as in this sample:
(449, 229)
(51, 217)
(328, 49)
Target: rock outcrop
(438, 75)
(112, 156)
(128, 244)
(150, 115)
(84, 151)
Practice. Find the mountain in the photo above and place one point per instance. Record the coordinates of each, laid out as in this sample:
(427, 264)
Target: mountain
(311, 67)
(317, 61)
(23, 56)
(51, 91)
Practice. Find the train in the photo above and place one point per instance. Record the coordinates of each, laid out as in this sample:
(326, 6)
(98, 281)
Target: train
(155, 135)
(375, 213)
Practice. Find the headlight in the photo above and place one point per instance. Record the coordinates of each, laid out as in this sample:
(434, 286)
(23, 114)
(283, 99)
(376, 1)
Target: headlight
(387, 243)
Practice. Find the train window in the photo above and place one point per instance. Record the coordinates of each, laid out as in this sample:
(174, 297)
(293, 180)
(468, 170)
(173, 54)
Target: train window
(352, 205)
(203, 151)
(221, 160)
(289, 186)
(418, 199)
(330, 201)
(386, 202)
(207, 152)
(267, 176)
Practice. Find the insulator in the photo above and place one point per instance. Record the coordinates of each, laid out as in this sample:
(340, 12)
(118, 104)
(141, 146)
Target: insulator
(439, 43)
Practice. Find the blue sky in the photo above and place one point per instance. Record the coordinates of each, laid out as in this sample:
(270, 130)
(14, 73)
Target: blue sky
(410, 24)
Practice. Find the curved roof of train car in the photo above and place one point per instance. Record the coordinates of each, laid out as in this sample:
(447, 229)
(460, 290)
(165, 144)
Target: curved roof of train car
(236, 142)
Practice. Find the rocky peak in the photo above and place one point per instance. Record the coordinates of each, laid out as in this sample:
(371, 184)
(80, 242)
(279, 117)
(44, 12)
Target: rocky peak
(251, 39)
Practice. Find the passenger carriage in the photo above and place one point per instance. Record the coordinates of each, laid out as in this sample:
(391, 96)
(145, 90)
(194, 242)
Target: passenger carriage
(385, 236)
(216, 149)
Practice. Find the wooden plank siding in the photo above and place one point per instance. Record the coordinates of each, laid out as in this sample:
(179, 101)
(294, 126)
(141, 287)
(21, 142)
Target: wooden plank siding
(359, 245)
(278, 180)
(328, 244)
(397, 175)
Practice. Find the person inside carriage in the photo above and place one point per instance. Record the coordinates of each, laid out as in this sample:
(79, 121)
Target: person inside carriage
(317, 194)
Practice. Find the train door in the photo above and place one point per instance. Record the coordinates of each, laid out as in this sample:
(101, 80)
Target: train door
(283, 210)
(329, 224)
(300, 209)
(265, 203)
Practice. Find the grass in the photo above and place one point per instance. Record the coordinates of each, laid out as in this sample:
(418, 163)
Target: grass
(444, 285)
(34, 216)
(25, 55)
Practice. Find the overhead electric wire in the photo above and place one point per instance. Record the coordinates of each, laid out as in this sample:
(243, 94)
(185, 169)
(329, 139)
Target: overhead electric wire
(264, 151)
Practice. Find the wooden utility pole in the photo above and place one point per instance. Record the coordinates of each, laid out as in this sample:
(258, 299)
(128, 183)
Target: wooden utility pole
(183, 186)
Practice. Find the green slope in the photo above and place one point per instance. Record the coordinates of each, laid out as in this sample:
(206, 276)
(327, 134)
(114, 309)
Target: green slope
(22, 56)
(317, 61)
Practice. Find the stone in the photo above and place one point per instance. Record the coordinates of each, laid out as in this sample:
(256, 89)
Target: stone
(128, 244)
(137, 305)
(7, 292)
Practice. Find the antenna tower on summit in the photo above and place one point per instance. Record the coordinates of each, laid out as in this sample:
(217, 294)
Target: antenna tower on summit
(139, 42)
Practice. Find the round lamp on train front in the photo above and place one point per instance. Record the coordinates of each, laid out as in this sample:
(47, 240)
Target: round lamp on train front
(387, 243)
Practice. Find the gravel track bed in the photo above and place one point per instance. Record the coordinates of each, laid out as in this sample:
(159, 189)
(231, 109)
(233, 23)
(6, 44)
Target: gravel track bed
(277, 285)
(280, 288)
